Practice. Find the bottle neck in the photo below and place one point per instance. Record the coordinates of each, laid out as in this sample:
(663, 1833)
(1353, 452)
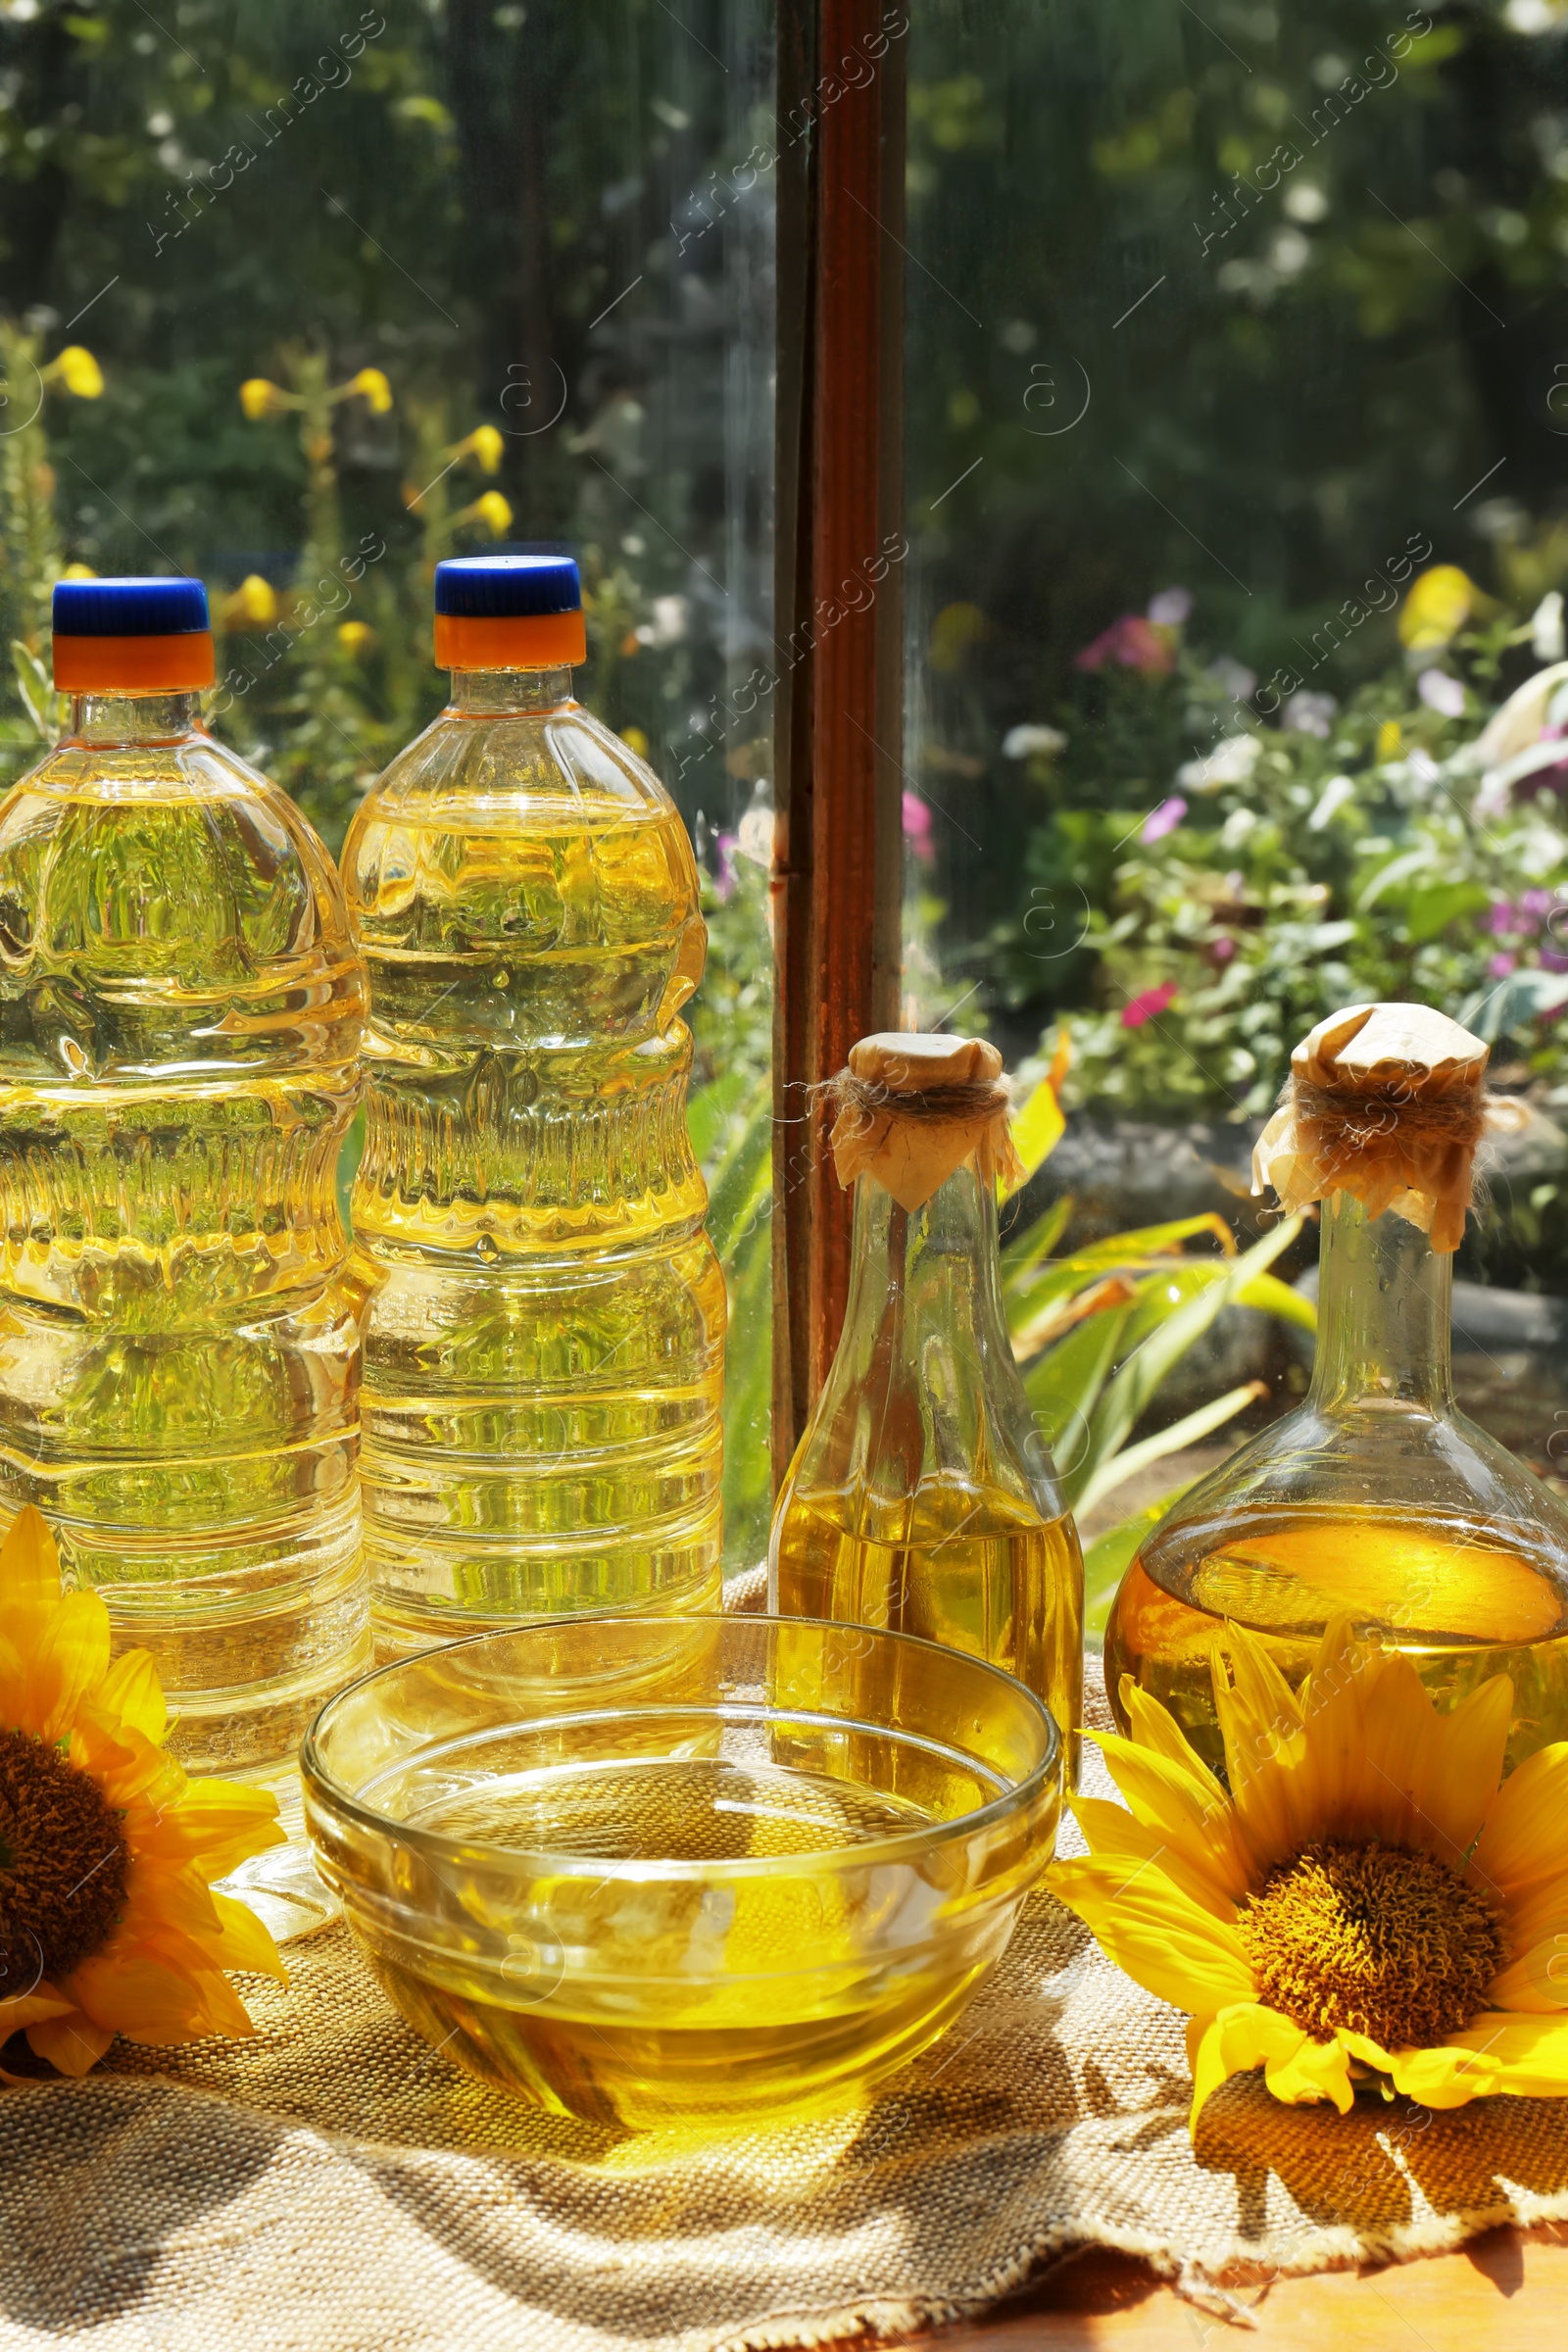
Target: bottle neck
(485, 692)
(1384, 1309)
(919, 1273)
(134, 719)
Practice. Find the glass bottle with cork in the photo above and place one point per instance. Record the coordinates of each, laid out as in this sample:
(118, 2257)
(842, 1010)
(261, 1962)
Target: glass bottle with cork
(1376, 1496)
(922, 1495)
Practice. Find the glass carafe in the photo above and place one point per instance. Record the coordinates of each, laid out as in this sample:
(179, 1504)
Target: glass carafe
(1375, 1497)
(922, 1495)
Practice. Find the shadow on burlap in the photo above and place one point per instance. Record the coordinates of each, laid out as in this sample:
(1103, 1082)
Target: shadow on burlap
(334, 2184)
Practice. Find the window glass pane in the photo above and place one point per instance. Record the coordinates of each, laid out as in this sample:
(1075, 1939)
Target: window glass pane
(301, 301)
(1236, 408)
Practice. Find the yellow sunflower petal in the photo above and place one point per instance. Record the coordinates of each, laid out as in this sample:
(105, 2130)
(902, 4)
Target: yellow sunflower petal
(1313, 2071)
(1265, 1749)
(1155, 1728)
(1152, 1930)
(1466, 1768)
(1334, 1701)
(245, 1943)
(24, 2009)
(1536, 1978)
(215, 1825)
(146, 1997)
(1165, 1797)
(1527, 2056)
(1114, 1836)
(1400, 1759)
(1526, 1836)
(30, 1583)
(138, 1780)
(72, 1661)
(1297, 2069)
(132, 1691)
(72, 2044)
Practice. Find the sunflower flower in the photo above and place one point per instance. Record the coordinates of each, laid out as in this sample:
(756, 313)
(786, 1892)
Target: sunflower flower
(108, 1921)
(1368, 1899)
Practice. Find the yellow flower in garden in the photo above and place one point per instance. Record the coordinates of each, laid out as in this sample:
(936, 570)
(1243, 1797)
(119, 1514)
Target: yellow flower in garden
(371, 386)
(1440, 603)
(635, 740)
(1367, 1898)
(1391, 739)
(78, 571)
(107, 1852)
(253, 604)
(954, 629)
(494, 513)
(258, 398)
(354, 635)
(485, 444)
(78, 370)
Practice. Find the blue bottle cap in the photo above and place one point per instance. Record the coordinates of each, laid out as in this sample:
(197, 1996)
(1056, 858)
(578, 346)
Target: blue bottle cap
(130, 608)
(506, 587)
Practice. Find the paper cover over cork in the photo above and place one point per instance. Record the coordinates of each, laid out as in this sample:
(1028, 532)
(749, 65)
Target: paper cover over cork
(1386, 1103)
(914, 1108)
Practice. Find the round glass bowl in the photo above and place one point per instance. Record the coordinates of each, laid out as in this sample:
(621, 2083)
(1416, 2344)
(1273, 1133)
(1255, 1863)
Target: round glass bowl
(654, 1871)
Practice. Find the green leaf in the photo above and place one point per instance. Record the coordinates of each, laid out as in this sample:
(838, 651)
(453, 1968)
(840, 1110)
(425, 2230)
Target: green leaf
(1021, 1252)
(1271, 1296)
(1152, 1240)
(1428, 911)
(1062, 1383)
(1127, 1397)
(37, 689)
(1184, 1432)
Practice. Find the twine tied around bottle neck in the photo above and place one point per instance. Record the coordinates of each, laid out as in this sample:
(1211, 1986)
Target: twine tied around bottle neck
(912, 1108)
(1386, 1103)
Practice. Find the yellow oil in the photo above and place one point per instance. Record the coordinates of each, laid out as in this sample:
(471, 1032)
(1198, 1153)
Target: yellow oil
(180, 1021)
(544, 1345)
(1461, 1600)
(971, 1566)
(639, 2000)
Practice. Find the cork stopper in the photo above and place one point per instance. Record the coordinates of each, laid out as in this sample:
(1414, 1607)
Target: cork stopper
(1386, 1102)
(912, 1108)
(909, 1063)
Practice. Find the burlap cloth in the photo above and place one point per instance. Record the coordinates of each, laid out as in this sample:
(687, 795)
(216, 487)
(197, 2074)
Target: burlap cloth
(336, 2184)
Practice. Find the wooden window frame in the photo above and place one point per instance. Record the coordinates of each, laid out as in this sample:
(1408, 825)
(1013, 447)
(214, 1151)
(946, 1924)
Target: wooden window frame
(838, 848)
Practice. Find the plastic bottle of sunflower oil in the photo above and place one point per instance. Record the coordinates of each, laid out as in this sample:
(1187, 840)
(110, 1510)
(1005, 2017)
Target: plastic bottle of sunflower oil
(544, 1355)
(180, 1014)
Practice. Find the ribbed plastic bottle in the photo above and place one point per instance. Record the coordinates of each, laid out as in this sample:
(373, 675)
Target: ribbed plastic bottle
(544, 1358)
(180, 1014)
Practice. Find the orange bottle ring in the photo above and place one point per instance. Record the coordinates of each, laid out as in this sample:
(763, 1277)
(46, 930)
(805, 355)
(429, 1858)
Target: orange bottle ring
(510, 641)
(179, 664)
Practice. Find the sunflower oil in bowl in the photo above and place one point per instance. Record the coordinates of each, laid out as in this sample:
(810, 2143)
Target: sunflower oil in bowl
(543, 1344)
(762, 1887)
(180, 1009)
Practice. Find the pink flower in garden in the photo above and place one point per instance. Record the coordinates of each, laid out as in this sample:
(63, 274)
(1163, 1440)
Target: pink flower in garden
(724, 879)
(1147, 1003)
(1552, 960)
(1500, 918)
(918, 828)
(1220, 951)
(1501, 965)
(1163, 819)
(1134, 643)
(1535, 906)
